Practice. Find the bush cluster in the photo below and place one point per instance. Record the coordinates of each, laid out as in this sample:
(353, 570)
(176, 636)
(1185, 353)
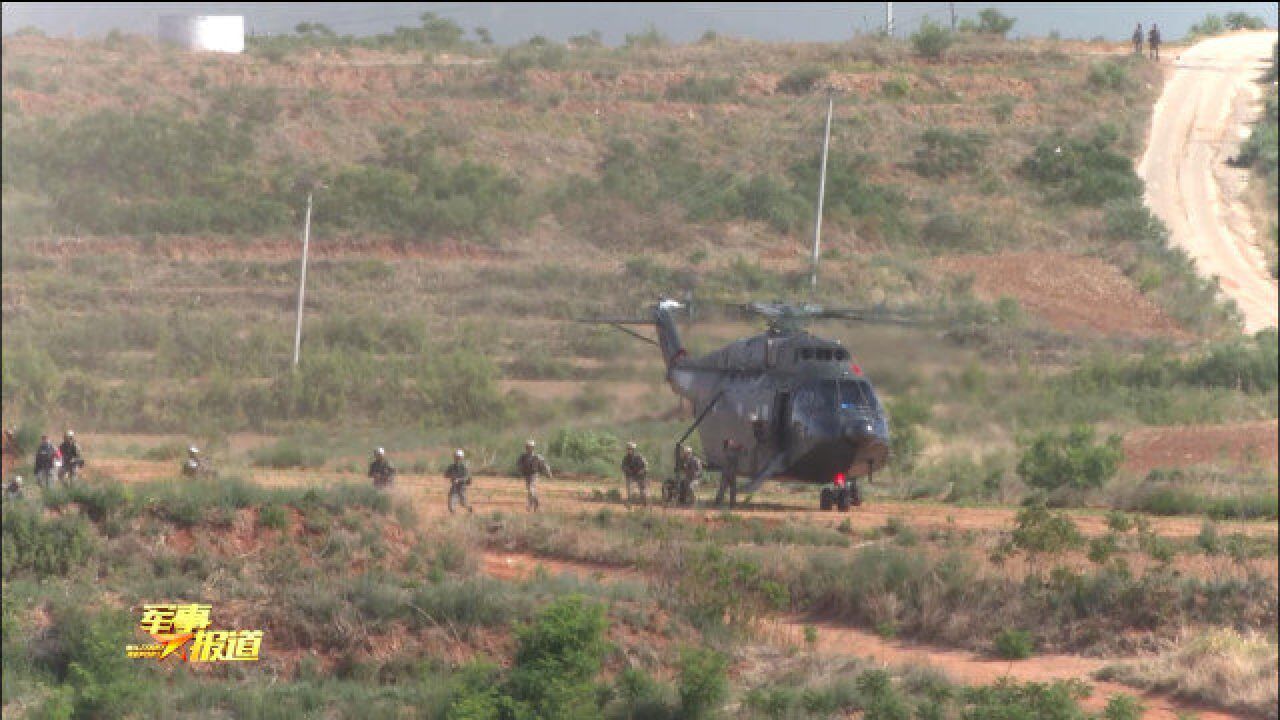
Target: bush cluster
(1082, 171)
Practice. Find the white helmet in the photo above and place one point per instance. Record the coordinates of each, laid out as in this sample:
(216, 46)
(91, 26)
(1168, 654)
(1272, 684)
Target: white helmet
(71, 433)
(530, 444)
(379, 452)
(631, 446)
(193, 450)
(458, 453)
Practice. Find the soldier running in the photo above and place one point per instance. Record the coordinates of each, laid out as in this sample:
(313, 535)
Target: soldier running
(381, 470)
(1153, 40)
(733, 451)
(459, 479)
(636, 470)
(531, 464)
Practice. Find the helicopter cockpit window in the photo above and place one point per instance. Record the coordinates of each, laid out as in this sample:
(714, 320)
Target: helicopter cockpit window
(841, 354)
(854, 394)
(824, 354)
(815, 400)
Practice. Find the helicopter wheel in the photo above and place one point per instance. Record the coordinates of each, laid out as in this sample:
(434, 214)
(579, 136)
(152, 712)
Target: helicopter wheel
(855, 494)
(824, 499)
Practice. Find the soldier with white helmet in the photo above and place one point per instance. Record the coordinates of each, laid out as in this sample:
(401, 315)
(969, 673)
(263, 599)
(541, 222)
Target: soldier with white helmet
(194, 464)
(381, 470)
(459, 479)
(72, 460)
(531, 465)
(636, 470)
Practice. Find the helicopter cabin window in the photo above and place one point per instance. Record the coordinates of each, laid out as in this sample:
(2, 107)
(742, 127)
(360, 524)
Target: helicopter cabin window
(855, 393)
(841, 354)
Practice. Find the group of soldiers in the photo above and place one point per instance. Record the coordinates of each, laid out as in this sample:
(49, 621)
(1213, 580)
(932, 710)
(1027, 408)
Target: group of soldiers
(635, 469)
(52, 463)
(530, 465)
(1153, 40)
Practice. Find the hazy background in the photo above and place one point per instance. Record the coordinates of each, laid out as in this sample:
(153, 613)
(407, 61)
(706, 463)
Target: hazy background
(682, 22)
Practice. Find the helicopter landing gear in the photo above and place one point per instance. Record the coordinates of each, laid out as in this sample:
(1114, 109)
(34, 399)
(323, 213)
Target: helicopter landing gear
(826, 498)
(840, 498)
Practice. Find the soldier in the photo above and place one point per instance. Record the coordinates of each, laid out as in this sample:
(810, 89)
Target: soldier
(13, 491)
(45, 455)
(193, 464)
(531, 464)
(1153, 40)
(71, 457)
(459, 479)
(733, 451)
(636, 470)
(381, 470)
(690, 474)
(1137, 40)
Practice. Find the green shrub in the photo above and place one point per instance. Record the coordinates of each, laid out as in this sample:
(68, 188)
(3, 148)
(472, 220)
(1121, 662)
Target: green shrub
(1123, 707)
(45, 546)
(273, 516)
(288, 453)
(1210, 25)
(1073, 460)
(557, 657)
(1082, 171)
(932, 40)
(993, 22)
(1110, 75)
(1038, 530)
(1012, 644)
(704, 89)
(1010, 699)
(703, 682)
(946, 152)
(802, 80)
(895, 88)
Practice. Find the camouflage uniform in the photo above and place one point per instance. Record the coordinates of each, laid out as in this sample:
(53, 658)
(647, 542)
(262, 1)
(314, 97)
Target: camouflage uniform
(459, 479)
(729, 474)
(690, 475)
(531, 464)
(71, 458)
(44, 463)
(381, 471)
(636, 470)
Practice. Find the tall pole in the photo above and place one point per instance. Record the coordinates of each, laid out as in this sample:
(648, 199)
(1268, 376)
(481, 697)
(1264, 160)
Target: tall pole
(888, 19)
(822, 190)
(302, 280)
(953, 16)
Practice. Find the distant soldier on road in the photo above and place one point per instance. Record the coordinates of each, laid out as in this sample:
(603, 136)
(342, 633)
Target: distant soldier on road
(1137, 40)
(636, 470)
(1153, 39)
(531, 465)
(45, 455)
(381, 470)
(733, 452)
(459, 478)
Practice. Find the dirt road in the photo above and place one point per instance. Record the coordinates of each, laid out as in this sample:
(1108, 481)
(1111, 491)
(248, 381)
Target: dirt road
(1208, 101)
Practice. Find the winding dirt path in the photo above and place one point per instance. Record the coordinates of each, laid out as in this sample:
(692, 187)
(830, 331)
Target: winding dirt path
(1203, 113)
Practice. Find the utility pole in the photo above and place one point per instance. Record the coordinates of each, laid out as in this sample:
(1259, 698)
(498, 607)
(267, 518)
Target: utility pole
(888, 19)
(953, 16)
(822, 189)
(302, 279)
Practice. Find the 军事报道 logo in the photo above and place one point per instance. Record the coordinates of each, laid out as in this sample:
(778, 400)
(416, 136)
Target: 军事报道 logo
(177, 627)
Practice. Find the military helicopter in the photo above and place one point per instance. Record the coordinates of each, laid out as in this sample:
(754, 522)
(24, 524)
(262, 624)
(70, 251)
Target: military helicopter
(800, 402)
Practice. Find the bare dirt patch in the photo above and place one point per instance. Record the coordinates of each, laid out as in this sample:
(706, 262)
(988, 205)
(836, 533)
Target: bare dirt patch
(1239, 446)
(1070, 292)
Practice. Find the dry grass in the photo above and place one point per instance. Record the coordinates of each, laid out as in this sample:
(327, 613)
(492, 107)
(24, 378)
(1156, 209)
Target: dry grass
(1222, 667)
